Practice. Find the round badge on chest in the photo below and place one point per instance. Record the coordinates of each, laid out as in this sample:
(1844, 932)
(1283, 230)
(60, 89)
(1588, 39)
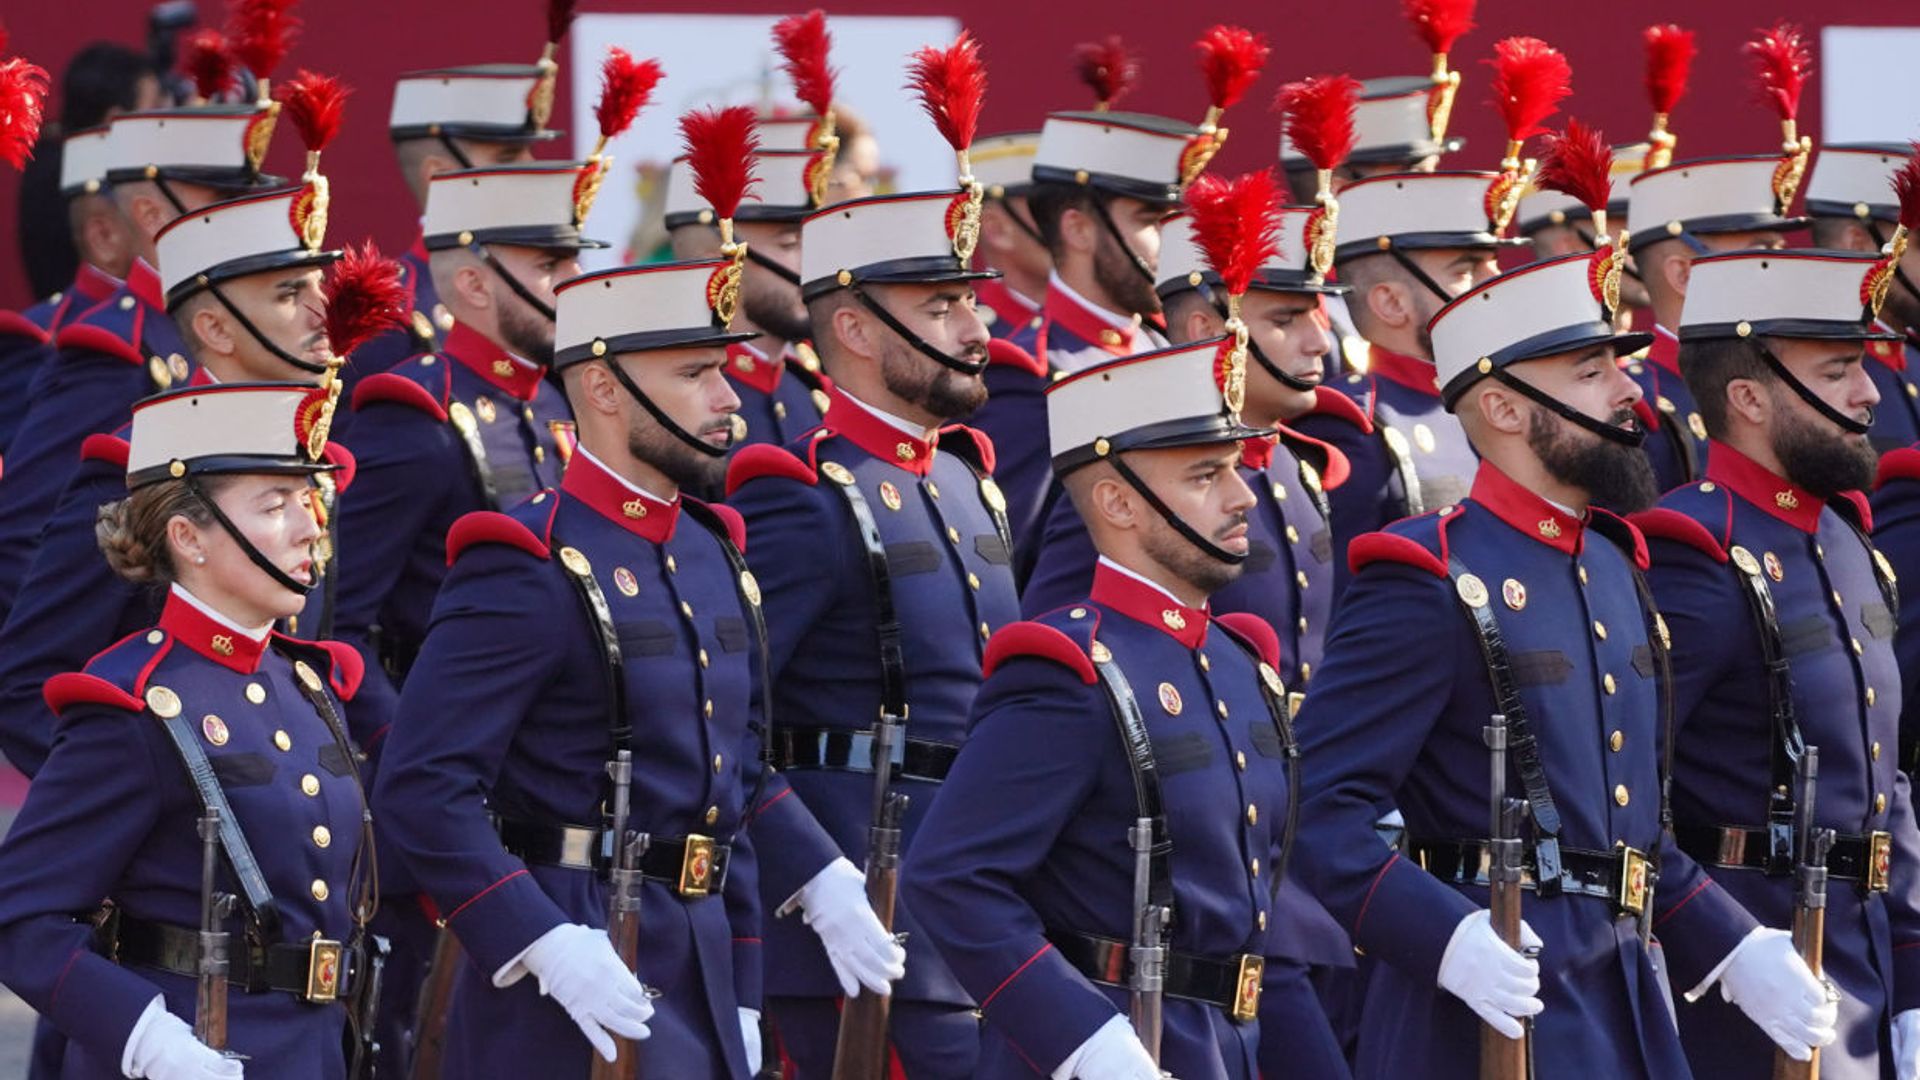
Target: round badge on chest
(1514, 593)
(889, 495)
(215, 729)
(623, 580)
(1170, 699)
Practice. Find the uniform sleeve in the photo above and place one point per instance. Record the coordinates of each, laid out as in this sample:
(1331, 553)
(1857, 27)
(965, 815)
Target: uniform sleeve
(1360, 735)
(474, 681)
(1896, 533)
(1063, 565)
(1357, 506)
(90, 810)
(405, 466)
(1019, 779)
(70, 606)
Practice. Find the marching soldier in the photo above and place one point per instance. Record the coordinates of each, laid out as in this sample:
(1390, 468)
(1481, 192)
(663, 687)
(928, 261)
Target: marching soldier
(1023, 876)
(647, 625)
(209, 718)
(1522, 610)
(881, 543)
(1009, 240)
(1782, 617)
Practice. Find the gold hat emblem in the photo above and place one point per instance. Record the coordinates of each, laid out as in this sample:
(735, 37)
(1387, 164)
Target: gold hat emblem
(222, 644)
(1174, 619)
(634, 508)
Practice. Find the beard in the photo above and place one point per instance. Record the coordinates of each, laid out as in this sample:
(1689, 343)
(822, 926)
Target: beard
(1164, 545)
(527, 332)
(692, 470)
(1117, 275)
(1617, 477)
(940, 390)
(775, 307)
(1821, 459)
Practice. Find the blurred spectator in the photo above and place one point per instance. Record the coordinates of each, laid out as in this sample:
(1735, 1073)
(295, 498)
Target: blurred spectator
(857, 166)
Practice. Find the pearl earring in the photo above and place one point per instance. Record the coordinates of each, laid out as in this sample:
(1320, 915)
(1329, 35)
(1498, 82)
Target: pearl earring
(200, 560)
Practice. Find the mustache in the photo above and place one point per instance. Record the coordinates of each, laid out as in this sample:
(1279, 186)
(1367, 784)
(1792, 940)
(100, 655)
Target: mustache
(1236, 522)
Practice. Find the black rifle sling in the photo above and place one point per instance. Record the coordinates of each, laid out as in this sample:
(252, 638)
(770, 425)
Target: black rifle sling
(1146, 775)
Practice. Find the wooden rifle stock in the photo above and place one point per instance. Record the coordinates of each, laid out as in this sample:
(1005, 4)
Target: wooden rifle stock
(1502, 1058)
(860, 1049)
(436, 995)
(623, 910)
(210, 990)
(1811, 847)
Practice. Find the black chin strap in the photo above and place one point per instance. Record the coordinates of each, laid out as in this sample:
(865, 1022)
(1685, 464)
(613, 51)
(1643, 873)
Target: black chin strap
(304, 365)
(1841, 420)
(964, 367)
(280, 576)
(1105, 214)
(663, 419)
(166, 189)
(1205, 545)
(1407, 264)
(785, 274)
(1019, 222)
(1291, 382)
(1633, 436)
(453, 148)
(520, 290)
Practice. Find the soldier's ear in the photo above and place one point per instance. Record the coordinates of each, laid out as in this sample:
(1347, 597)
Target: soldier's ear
(1749, 401)
(1500, 409)
(213, 329)
(1114, 502)
(1391, 303)
(1200, 324)
(1676, 269)
(850, 332)
(470, 286)
(1079, 233)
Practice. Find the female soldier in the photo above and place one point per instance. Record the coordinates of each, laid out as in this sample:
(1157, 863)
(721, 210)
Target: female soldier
(210, 709)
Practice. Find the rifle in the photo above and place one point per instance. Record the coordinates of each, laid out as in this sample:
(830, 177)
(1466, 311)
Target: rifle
(436, 995)
(860, 1047)
(1147, 955)
(1502, 1058)
(1811, 846)
(210, 993)
(623, 907)
(363, 1033)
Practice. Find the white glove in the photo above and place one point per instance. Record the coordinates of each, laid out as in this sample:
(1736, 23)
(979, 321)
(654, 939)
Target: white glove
(1774, 987)
(861, 951)
(1496, 982)
(579, 970)
(162, 1047)
(750, 1034)
(1906, 1045)
(1112, 1052)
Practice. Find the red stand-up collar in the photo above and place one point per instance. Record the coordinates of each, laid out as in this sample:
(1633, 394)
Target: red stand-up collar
(590, 482)
(1145, 604)
(221, 644)
(754, 368)
(491, 362)
(1257, 454)
(1409, 371)
(878, 438)
(1002, 298)
(144, 282)
(1891, 353)
(93, 283)
(1526, 512)
(1760, 486)
(1086, 324)
(1665, 350)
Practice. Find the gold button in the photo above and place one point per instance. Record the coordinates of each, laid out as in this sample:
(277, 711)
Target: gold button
(256, 693)
(322, 836)
(155, 637)
(933, 489)
(1874, 750)
(713, 814)
(703, 658)
(1707, 487)
(672, 567)
(1077, 613)
(1221, 707)
(1616, 740)
(1880, 803)
(1255, 867)
(1263, 920)
(310, 784)
(717, 762)
(1620, 794)
(1599, 629)
(320, 890)
(1837, 602)
(706, 708)
(985, 633)
(1871, 696)
(1583, 575)
(282, 740)
(1303, 624)
(953, 534)
(1855, 642)
(1293, 535)
(539, 454)
(1607, 683)
(686, 609)
(1279, 491)
(1205, 664)
(1300, 578)
(973, 581)
(1240, 760)
(1819, 552)
(1253, 814)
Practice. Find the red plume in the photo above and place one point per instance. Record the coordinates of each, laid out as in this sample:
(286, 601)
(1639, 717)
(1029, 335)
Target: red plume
(314, 104)
(365, 297)
(207, 62)
(1906, 188)
(951, 83)
(626, 85)
(1781, 66)
(1530, 78)
(803, 43)
(1578, 163)
(559, 20)
(260, 32)
(1669, 58)
(1439, 22)
(23, 99)
(1236, 224)
(720, 145)
(1107, 68)
(1319, 117)
(1230, 59)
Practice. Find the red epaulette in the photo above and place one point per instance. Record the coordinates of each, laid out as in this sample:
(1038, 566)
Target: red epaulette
(982, 444)
(491, 527)
(347, 669)
(1623, 533)
(1036, 639)
(1901, 464)
(736, 525)
(765, 459)
(344, 465)
(1664, 524)
(387, 386)
(79, 688)
(111, 449)
(1391, 547)
(1005, 353)
(1861, 509)
(85, 337)
(14, 324)
(1255, 631)
(1330, 402)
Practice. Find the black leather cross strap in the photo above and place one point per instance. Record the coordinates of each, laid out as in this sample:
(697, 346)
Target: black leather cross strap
(886, 623)
(1522, 743)
(1677, 434)
(1213, 980)
(254, 892)
(1788, 743)
(576, 847)
(285, 967)
(1851, 858)
(461, 417)
(1146, 776)
(1596, 874)
(853, 751)
(579, 571)
(1402, 456)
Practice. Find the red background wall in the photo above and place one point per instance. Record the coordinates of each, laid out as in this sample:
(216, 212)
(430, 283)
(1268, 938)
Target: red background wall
(1027, 44)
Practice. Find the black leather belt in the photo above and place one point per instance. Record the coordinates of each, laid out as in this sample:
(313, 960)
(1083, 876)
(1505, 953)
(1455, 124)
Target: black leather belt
(1623, 877)
(1864, 860)
(693, 865)
(317, 970)
(1232, 983)
(852, 751)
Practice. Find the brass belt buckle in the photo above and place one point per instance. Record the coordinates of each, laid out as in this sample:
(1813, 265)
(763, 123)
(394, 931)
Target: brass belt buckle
(1879, 860)
(696, 866)
(1246, 993)
(1636, 886)
(324, 958)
